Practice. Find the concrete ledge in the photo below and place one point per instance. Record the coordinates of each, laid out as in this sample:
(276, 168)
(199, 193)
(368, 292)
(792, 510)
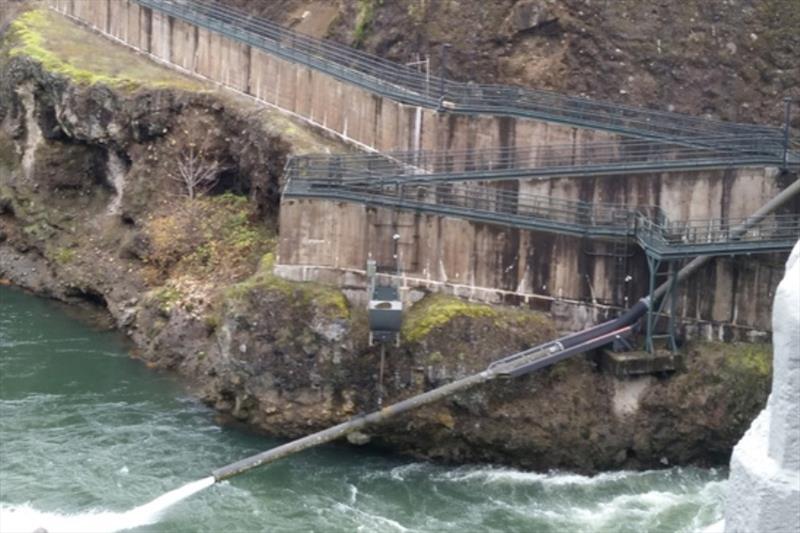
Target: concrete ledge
(627, 364)
(568, 314)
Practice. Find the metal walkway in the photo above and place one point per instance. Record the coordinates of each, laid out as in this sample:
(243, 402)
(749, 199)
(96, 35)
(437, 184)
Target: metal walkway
(539, 161)
(667, 240)
(660, 238)
(408, 86)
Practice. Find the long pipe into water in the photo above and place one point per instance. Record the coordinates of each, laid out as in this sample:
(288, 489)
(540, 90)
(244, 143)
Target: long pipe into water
(360, 422)
(516, 365)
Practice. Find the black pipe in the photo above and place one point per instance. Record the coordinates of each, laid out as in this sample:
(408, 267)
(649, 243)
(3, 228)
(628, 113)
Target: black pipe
(628, 318)
(787, 102)
(591, 344)
(555, 350)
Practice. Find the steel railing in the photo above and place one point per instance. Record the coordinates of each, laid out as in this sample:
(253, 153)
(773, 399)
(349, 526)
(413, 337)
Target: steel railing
(625, 156)
(647, 224)
(709, 236)
(489, 204)
(409, 86)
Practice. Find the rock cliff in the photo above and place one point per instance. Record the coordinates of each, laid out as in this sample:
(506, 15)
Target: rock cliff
(94, 208)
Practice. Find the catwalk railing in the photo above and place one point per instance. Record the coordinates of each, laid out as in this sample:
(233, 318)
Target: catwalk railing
(668, 239)
(648, 225)
(622, 157)
(407, 85)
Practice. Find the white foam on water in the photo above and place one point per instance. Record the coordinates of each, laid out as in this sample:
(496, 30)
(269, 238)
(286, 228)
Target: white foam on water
(374, 522)
(26, 519)
(400, 473)
(353, 493)
(644, 510)
(508, 476)
(11, 344)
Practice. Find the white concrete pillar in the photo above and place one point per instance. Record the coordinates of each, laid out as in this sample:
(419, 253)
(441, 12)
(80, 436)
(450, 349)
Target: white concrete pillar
(764, 486)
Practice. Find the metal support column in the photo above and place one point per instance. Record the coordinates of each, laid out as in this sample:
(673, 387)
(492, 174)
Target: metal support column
(443, 74)
(787, 102)
(673, 300)
(654, 312)
(653, 264)
(398, 192)
(381, 390)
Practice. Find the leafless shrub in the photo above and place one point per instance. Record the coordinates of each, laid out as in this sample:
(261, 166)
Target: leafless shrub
(197, 172)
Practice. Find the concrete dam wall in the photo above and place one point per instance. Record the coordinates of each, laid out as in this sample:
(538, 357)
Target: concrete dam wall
(371, 121)
(578, 279)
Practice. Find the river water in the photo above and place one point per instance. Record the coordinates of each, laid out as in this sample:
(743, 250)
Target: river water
(88, 435)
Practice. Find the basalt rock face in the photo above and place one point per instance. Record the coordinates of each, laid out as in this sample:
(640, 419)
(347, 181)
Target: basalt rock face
(89, 212)
(138, 133)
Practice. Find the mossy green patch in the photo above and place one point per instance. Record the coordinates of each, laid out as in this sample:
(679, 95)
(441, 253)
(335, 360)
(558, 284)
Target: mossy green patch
(64, 256)
(749, 358)
(63, 47)
(436, 310)
(328, 299)
(364, 18)
(166, 297)
(779, 20)
(39, 230)
(743, 367)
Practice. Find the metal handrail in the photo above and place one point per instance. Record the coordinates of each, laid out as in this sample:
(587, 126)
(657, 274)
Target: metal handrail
(649, 225)
(408, 86)
(701, 232)
(625, 156)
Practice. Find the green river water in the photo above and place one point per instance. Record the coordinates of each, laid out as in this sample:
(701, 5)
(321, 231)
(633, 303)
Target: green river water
(89, 435)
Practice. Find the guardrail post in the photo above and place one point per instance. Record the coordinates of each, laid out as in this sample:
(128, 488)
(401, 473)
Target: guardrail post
(443, 73)
(652, 264)
(787, 102)
(673, 304)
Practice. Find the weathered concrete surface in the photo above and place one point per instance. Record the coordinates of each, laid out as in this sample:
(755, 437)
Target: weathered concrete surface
(764, 487)
(627, 364)
(343, 109)
(331, 241)
(512, 265)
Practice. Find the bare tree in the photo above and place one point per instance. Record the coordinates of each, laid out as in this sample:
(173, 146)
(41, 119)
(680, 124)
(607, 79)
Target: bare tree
(196, 172)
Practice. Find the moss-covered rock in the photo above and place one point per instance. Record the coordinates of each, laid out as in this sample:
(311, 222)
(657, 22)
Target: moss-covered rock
(699, 414)
(436, 311)
(448, 330)
(322, 298)
(50, 40)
